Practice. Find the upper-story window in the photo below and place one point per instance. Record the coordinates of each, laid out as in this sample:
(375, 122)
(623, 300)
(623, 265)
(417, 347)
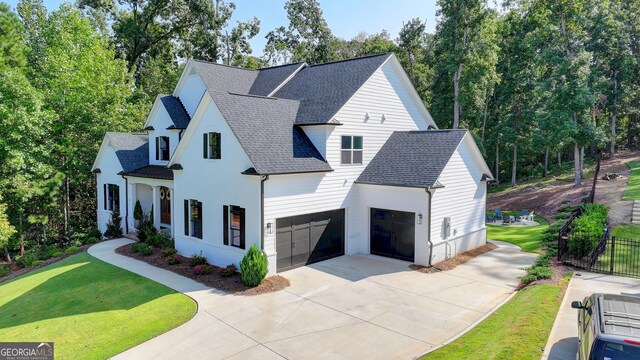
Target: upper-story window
(211, 145)
(351, 152)
(162, 148)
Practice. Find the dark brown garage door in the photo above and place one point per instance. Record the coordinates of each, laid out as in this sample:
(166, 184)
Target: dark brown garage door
(309, 238)
(393, 234)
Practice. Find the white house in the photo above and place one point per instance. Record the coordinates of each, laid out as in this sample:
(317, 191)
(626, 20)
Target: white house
(307, 162)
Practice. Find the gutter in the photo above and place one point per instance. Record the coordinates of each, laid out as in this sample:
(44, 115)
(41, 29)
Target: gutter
(262, 180)
(428, 190)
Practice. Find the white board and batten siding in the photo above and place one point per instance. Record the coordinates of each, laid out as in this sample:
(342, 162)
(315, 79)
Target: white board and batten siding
(161, 121)
(463, 200)
(380, 107)
(215, 183)
(109, 166)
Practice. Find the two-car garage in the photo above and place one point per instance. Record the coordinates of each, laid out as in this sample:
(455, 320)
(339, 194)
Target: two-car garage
(309, 238)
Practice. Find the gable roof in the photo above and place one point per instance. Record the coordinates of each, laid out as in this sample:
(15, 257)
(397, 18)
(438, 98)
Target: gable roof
(412, 158)
(132, 150)
(218, 77)
(323, 89)
(269, 79)
(176, 111)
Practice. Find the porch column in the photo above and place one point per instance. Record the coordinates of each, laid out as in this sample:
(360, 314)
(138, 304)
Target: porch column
(132, 203)
(173, 213)
(156, 206)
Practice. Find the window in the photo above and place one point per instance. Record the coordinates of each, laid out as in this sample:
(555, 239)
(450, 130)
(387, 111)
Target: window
(233, 223)
(211, 145)
(193, 218)
(111, 197)
(162, 148)
(351, 150)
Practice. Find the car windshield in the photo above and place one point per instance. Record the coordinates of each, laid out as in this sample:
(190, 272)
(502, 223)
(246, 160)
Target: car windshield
(614, 351)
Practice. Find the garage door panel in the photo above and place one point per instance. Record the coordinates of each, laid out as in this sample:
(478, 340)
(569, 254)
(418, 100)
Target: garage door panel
(392, 234)
(312, 237)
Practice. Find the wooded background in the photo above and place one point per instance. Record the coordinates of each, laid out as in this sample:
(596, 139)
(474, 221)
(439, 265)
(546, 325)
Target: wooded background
(541, 84)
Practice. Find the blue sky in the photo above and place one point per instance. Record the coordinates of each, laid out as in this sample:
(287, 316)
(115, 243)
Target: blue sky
(345, 17)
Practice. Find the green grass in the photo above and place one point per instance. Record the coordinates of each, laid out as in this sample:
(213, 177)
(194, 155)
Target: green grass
(518, 330)
(526, 237)
(88, 308)
(632, 192)
(625, 260)
(627, 231)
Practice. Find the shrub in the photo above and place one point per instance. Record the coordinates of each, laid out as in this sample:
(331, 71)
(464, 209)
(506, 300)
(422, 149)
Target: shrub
(71, 250)
(197, 259)
(146, 250)
(175, 259)
(203, 269)
(114, 226)
(26, 260)
(592, 220)
(161, 240)
(536, 273)
(43, 253)
(146, 228)
(90, 240)
(37, 263)
(57, 253)
(254, 266)
(4, 270)
(168, 252)
(94, 232)
(580, 245)
(228, 271)
(138, 214)
(137, 247)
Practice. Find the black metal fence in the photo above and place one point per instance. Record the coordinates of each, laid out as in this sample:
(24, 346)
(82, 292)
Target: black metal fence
(609, 255)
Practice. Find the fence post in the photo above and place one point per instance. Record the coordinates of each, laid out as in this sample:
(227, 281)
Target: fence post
(613, 253)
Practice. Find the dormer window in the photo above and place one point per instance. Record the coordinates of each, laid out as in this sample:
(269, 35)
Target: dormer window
(162, 148)
(351, 152)
(211, 148)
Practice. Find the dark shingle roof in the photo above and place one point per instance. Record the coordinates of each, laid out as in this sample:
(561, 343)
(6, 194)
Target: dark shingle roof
(269, 79)
(413, 158)
(264, 128)
(152, 171)
(176, 111)
(131, 149)
(323, 89)
(217, 77)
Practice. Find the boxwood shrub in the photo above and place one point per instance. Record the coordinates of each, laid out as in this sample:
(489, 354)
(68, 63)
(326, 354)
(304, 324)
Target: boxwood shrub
(254, 266)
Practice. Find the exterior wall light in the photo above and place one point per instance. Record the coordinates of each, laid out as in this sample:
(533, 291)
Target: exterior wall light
(269, 228)
(419, 218)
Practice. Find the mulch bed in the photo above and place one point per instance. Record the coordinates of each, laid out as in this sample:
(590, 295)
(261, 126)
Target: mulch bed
(17, 270)
(459, 259)
(232, 285)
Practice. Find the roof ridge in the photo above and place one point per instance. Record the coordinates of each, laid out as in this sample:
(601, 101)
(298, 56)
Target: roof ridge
(225, 65)
(283, 65)
(431, 131)
(351, 59)
(254, 96)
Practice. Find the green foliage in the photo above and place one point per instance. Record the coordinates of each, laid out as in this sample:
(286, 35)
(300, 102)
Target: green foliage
(168, 252)
(203, 269)
(137, 211)
(581, 245)
(591, 222)
(141, 248)
(537, 273)
(254, 266)
(4, 270)
(632, 192)
(6, 229)
(197, 259)
(146, 229)
(228, 271)
(57, 253)
(175, 259)
(26, 260)
(161, 240)
(37, 263)
(71, 250)
(114, 226)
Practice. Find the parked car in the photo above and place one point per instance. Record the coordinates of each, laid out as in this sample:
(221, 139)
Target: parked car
(608, 327)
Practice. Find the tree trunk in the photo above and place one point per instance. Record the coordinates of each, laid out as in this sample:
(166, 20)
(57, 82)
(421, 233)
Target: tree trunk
(67, 211)
(7, 256)
(559, 158)
(514, 164)
(546, 161)
(576, 164)
(456, 94)
(582, 162)
(629, 135)
(614, 115)
(21, 235)
(484, 118)
(497, 164)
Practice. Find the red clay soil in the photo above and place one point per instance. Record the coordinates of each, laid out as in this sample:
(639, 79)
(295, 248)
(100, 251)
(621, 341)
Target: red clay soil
(544, 199)
(17, 271)
(232, 285)
(459, 259)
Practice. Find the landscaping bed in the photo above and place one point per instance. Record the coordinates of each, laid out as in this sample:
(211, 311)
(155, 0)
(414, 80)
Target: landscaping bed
(451, 263)
(232, 284)
(16, 270)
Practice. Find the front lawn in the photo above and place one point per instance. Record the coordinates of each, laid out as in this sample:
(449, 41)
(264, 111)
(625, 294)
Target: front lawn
(632, 192)
(88, 308)
(527, 237)
(518, 330)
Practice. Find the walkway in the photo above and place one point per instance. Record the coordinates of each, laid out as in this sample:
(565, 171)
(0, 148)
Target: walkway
(563, 340)
(348, 307)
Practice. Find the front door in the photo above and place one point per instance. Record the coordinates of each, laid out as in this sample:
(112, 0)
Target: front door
(165, 205)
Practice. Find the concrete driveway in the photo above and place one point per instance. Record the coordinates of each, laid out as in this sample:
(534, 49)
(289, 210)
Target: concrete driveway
(563, 339)
(349, 307)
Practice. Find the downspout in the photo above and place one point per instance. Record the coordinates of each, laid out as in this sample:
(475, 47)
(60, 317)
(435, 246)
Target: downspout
(262, 180)
(428, 190)
(126, 203)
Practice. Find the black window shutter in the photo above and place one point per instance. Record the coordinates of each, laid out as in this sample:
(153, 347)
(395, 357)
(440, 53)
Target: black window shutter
(205, 145)
(168, 149)
(157, 148)
(218, 147)
(104, 192)
(186, 217)
(242, 228)
(225, 224)
(116, 198)
(200, 234)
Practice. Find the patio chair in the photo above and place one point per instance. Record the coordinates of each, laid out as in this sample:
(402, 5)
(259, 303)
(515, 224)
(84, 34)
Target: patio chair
(524, 215)
(497, 212)
(490, 219)
(506, 219)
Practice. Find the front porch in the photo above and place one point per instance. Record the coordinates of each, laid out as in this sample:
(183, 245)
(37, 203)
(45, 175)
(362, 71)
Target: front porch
(155, 197)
